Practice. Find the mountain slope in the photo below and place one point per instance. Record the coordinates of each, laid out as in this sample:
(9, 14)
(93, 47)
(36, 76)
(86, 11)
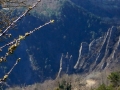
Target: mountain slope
(41, 52)
(103, 8)
(100, 54)
(65, 35)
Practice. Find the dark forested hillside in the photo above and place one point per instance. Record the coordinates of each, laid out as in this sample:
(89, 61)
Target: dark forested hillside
(81, 40)
(42, 51)
(103, 8)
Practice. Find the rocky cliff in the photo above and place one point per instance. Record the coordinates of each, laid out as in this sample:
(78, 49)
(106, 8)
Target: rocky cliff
(98, 55)
(101, 53)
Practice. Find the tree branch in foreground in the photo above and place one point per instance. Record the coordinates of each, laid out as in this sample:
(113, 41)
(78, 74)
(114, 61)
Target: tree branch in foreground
(20, 17)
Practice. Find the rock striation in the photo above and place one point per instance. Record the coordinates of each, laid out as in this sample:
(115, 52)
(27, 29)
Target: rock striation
(66, 65)
(101, 53)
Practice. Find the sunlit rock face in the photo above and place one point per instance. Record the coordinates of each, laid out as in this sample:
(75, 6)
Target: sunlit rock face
(66, 65)
(102, 53)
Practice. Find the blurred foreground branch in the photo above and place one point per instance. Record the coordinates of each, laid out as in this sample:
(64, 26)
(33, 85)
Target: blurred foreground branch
(12, 45)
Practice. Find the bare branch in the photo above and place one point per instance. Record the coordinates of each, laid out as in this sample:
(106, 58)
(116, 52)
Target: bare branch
(20, 17)
(6, 75)
(16, 42)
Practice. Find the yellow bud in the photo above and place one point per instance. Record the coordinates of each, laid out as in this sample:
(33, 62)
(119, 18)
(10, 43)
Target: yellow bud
(52, 21)
(27, 34)
(5, 77)
(30, 7)
(18, 59)
(0, 60)
(21, 37)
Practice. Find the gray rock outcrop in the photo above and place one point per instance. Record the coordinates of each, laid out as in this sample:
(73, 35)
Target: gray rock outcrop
(101, 53)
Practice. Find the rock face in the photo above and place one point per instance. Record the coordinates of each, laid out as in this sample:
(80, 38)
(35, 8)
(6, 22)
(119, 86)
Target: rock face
(83, 52)
(101, 53)
(66, 65)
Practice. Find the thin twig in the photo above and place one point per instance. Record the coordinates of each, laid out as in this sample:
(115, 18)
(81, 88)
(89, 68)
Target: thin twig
(6, 75)
(12, 42)
(20, 17)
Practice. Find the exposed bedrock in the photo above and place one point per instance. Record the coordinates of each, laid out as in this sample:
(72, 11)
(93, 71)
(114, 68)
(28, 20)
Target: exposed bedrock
(101, 53)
